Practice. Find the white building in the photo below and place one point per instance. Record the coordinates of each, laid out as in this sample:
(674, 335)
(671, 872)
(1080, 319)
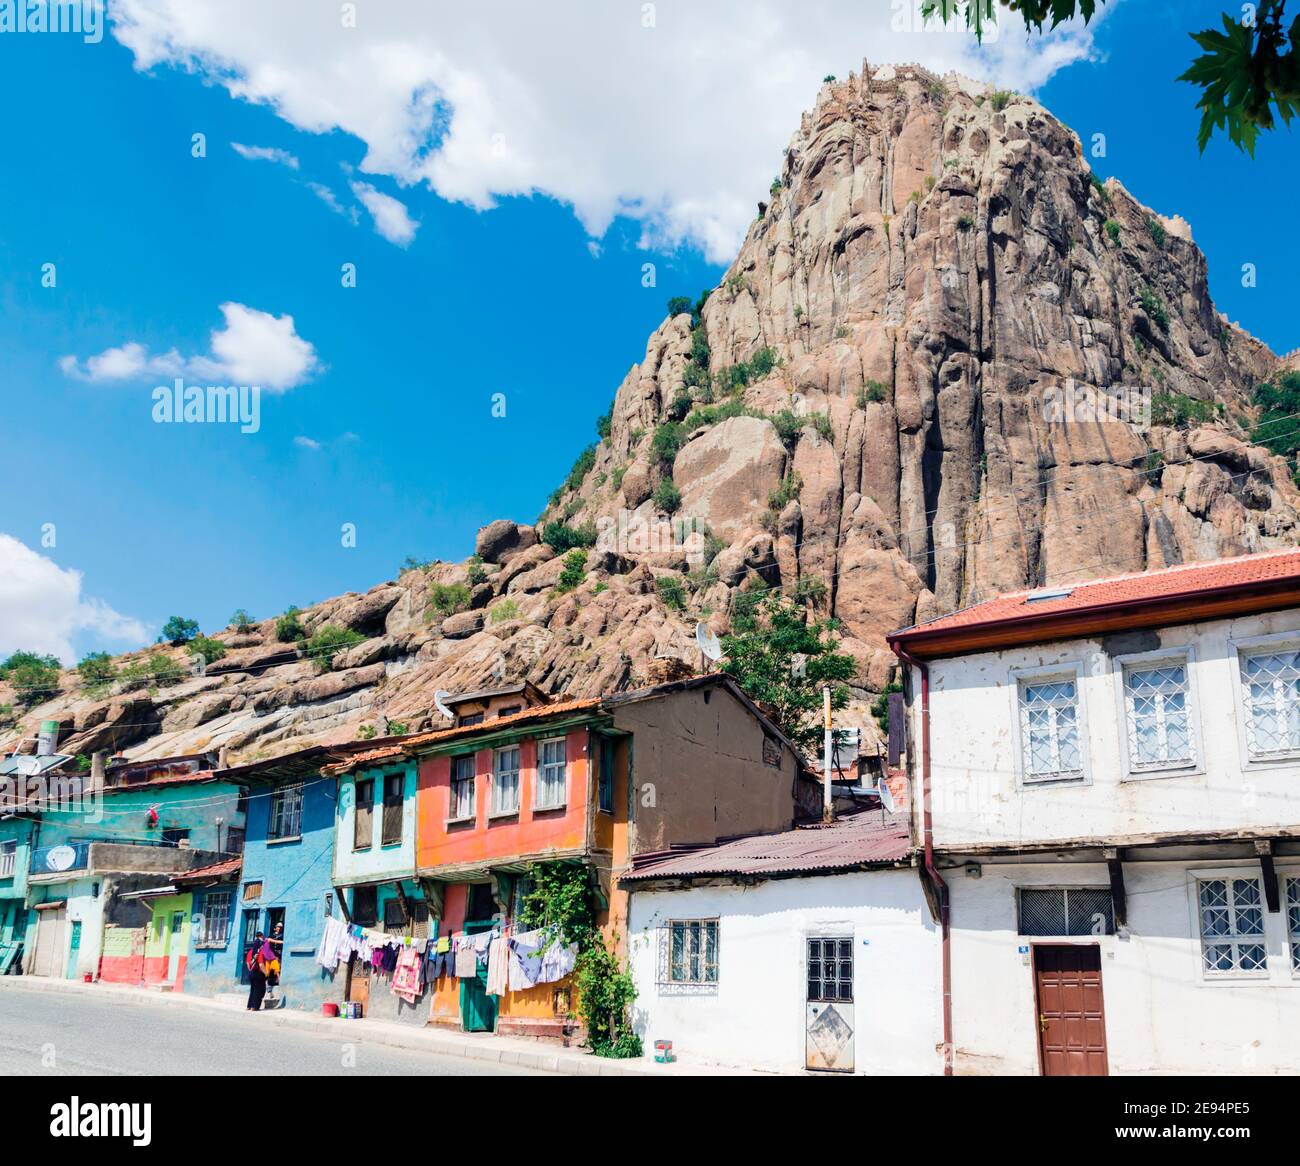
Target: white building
(1112, 773)
(808, 949)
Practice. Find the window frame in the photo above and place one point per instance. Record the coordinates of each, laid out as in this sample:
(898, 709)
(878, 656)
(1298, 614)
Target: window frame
(1065, 890)
(837, 938)
(1141, 661)
(205, 938)
(495, 810)
(276, 812)
(605, 774)
(1241, 650)
(667, 979)
(538, 785)
(395, 802)
(471, 782)
(357, 845)
(1235, 974)
(1290, 890)
(1072, 670)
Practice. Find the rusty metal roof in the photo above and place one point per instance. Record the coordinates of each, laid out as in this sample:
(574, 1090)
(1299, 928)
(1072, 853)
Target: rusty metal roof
(865, 838)
(218, 870)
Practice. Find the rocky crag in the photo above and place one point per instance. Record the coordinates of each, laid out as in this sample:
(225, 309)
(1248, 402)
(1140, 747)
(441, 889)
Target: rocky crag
(946, 362)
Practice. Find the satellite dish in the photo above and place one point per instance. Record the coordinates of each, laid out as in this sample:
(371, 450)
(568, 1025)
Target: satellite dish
(707, 642)
(439, 698)
(886, 796)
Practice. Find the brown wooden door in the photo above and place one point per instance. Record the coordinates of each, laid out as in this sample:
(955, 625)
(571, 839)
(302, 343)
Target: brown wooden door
(1071, 1018)
(358, 987)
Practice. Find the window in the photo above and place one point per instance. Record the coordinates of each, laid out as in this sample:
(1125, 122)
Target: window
(1271, 691)
(1156, 700)
(1293, 922)
(462, 787)
(365, 906)
(470, 719)
(394, 799)
(693, 951)
(1049, 730)
(505, 781)
(215, 928)
(175, 837)
(394, 915)
(1232, 926)
(509, 710)
(605, 786)
(286, 813)
(363, 827)
(830, 968)
(1066, 911)
(550, 775)
(8, 858)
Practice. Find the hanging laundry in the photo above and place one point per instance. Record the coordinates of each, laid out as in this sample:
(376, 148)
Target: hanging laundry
(482, 942)
(444, 944)
(466, 958)
(498, 965)
(526, 950)
(335, 944)
(557, 961)
(406, 975)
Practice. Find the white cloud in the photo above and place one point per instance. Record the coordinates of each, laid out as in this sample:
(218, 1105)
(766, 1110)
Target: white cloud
(306, 443)
(254, 348)
(42, 607)
(265, 154)
(680, 125)
(391, 218)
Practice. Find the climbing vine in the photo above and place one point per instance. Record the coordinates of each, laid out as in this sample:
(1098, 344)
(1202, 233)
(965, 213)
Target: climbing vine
(560, 896)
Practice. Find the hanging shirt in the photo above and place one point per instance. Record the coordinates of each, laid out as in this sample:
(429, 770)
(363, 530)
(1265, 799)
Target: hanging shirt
(498, 963)
(335, 944)
(557, 961)
(526, 950)
(466, 958)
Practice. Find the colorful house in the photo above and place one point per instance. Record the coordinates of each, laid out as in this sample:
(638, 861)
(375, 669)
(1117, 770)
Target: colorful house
(286, 877)
(591, 782)
(16, 833)
(374, 875)
(90, 852)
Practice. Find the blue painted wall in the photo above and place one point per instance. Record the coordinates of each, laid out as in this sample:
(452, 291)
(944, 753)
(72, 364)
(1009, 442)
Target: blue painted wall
(14, 922)
(295, 875)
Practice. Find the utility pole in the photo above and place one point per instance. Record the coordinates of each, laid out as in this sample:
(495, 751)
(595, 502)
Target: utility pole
(828, 810)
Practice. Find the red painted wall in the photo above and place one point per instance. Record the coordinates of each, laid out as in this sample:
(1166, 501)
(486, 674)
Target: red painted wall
(486, 839)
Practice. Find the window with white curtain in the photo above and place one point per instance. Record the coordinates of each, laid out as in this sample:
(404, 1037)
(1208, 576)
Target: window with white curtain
(551, 774)
(1049, 730)
(1271, 695)
(505, 781)
(462, 786)
(1232, 926)
(1157, 709)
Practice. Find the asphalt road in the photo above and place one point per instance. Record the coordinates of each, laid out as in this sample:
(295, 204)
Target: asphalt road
(67, 1034)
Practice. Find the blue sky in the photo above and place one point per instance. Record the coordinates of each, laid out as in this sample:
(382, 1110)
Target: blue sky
(539, 297)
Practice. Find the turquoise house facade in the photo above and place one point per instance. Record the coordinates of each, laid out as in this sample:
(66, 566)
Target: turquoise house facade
(15, 857)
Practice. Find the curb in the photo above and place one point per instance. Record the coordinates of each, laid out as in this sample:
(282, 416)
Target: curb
(566, 1063)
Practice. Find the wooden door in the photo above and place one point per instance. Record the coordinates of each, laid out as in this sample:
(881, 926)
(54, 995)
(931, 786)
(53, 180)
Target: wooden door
(1071, 1017)
(358, 986)
(51, 942)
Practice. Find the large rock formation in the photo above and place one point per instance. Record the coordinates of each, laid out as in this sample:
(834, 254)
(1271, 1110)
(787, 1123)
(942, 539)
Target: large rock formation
(923, 380)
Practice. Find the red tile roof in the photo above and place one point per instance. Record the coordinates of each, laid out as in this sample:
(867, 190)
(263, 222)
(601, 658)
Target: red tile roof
(1189, 582)
(218, 870)
(865, 838)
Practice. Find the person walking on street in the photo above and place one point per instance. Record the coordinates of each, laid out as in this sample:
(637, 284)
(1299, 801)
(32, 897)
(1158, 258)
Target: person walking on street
(256, 966)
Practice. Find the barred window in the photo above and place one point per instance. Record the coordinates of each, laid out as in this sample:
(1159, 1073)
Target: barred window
(1232, 926)
(462, 786)
(1156, 701)
(1271, 692)
(1293, 922)
(1066, 911)
(693, 951)
(216, 917)
(550, 774)
(505, 781)
(286, 812)
(1049, 730)
(830, 969)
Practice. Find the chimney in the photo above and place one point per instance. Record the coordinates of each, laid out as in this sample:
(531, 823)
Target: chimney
(97, 764)
(223, 757)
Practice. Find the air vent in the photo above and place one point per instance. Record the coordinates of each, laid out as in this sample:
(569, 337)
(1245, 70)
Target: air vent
(1049, 593)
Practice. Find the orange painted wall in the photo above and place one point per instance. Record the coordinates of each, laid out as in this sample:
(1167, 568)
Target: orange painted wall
(486, 839)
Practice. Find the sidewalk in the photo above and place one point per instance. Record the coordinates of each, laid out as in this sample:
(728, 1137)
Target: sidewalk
(526, 1054)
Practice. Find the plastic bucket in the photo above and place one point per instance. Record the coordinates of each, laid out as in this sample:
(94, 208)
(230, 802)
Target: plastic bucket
(329, 1009)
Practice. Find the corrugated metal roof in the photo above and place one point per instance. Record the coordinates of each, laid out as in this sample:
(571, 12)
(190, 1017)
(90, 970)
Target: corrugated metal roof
(218, 870)
(1243, 572)
(865, 838)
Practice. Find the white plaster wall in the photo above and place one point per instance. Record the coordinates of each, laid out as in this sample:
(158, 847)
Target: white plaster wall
(1163, 1015)
(978, 796)
(757, 1018)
